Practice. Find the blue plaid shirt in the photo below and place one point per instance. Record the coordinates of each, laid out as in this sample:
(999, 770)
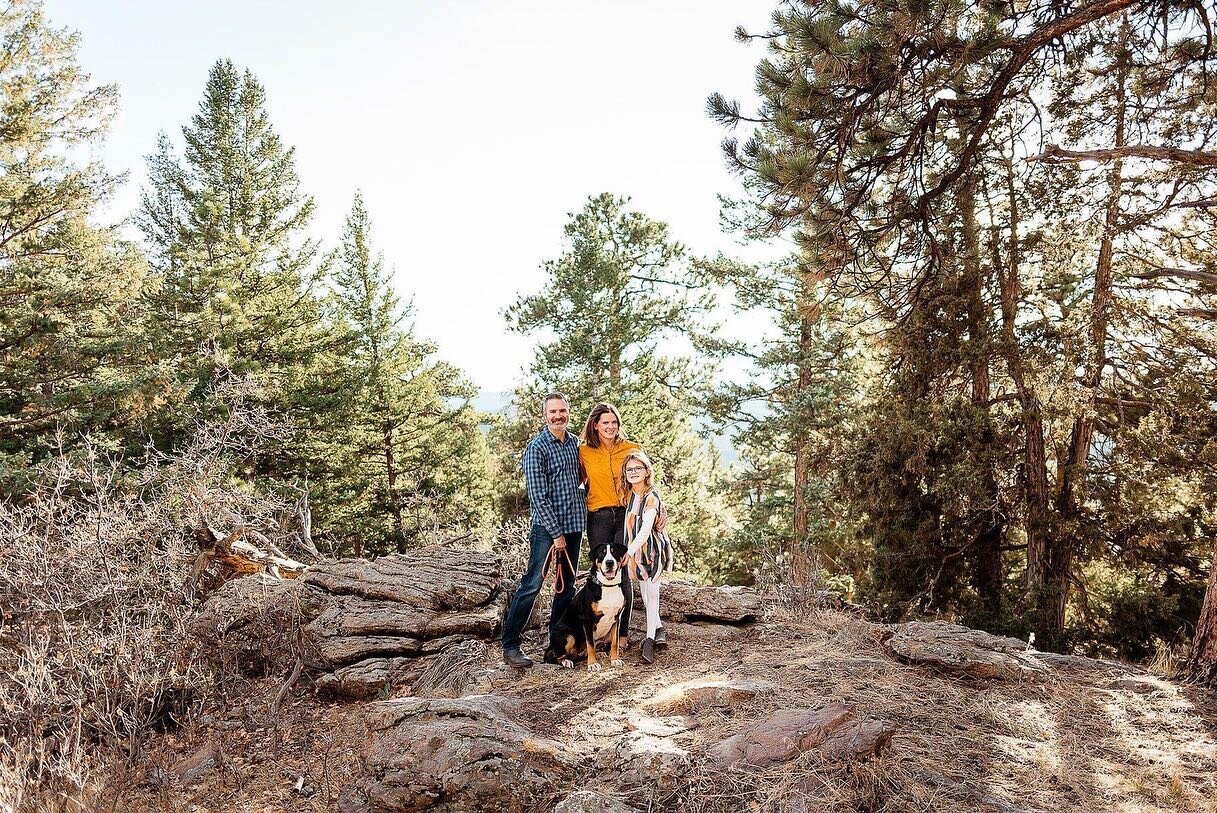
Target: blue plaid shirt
(551, 470)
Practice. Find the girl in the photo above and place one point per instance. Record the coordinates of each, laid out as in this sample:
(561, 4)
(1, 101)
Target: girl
(648, 549)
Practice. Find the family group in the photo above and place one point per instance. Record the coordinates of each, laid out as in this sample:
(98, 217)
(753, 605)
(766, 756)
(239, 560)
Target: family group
(603, 484)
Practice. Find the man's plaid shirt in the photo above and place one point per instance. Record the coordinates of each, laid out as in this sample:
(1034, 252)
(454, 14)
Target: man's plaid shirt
(551, 470)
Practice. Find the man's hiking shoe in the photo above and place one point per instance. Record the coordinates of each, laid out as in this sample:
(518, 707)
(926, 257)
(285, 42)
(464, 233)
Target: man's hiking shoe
(661, 637)
(648, 650)
(516, 659)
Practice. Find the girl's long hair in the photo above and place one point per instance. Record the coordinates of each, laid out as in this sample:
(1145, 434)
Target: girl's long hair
(623, 486)
(590, 436)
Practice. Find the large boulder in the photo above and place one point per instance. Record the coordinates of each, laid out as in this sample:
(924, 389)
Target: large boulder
(833, 732)
(963, 651)
(679, 601)
(364, 626)
(464, 754)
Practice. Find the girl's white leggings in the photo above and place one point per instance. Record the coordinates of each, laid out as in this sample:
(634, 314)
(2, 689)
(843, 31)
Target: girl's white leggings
(650, 599)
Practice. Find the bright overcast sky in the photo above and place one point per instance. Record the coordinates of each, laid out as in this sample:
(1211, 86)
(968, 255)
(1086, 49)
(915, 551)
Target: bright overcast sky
(472, 127)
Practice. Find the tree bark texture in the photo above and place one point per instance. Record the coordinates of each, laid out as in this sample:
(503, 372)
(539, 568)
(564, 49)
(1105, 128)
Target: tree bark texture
(1201, 666)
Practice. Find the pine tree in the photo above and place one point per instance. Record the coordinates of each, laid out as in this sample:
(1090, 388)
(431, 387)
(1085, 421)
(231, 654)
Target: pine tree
(891, 142)
(236, 277)
(621, 294)
(621, 289)
(68, 288)
(404, 454)
(792, 413)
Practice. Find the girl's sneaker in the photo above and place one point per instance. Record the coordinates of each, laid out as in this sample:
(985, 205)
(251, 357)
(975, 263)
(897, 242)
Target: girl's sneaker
(648, 650)
(661, 637)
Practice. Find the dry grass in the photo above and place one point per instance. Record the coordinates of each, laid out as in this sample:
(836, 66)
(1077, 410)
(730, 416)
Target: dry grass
(93, 565)
(1066, 743)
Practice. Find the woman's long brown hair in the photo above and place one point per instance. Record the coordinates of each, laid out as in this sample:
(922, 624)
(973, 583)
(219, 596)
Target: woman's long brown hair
(590, 436)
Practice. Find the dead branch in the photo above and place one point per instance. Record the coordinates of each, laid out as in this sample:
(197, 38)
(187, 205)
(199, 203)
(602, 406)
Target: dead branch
(1196, 158)
(287, 685)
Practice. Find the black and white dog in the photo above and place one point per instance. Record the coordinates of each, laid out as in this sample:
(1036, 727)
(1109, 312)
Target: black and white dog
(593, 613)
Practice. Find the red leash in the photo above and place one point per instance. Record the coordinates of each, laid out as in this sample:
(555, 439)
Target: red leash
(551, 558)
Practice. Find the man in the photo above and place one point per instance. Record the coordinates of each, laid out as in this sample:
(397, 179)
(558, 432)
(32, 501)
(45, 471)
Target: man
(551, 471)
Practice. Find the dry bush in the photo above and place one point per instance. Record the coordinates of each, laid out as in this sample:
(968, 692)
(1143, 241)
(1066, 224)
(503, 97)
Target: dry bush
(91, 574)
(94, 564)
(512, 545)
(785, 592)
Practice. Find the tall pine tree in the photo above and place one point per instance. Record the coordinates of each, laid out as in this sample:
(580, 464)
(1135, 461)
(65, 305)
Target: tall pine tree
(236, 276)
(68, 288)
(404, 455)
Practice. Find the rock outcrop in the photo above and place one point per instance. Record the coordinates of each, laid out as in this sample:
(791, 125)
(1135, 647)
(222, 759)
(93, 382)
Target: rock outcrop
(833, 732)
(466, 754)
(362, 625)
(963, 651)
(687, 602)
(694, 695)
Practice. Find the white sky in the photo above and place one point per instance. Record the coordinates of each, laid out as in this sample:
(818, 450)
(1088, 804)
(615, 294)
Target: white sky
(471, 126)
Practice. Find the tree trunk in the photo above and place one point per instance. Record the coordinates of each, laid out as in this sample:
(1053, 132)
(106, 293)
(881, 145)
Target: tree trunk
(987, 577)
(1043, 561)
(1075, 467)
(800, 558)
(1201, 665)
(391, 475)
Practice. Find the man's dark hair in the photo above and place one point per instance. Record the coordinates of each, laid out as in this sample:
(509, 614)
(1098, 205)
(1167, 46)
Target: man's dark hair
(551, 397)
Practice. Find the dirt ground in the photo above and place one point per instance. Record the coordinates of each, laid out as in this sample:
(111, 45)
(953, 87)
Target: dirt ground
(1084, 741)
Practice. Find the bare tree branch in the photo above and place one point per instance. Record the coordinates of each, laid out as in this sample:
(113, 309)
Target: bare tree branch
(1196, 158)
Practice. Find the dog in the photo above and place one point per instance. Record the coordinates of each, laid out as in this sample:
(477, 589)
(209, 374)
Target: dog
(594, 612)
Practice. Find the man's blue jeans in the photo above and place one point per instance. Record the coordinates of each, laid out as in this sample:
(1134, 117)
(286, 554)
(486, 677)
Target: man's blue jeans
(526, 595)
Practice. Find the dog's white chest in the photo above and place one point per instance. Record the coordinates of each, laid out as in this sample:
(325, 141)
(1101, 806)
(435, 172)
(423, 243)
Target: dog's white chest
(612, 599)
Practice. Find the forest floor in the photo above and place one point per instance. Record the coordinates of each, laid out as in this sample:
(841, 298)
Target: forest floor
(1086, 740)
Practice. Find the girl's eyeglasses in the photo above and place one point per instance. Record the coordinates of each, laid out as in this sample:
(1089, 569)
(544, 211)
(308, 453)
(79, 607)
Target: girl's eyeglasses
(635, 469)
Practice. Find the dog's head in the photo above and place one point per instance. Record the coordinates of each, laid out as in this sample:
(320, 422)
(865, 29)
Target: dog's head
(607, 561)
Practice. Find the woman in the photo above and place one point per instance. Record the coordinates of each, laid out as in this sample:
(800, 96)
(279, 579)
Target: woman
(601, 454)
